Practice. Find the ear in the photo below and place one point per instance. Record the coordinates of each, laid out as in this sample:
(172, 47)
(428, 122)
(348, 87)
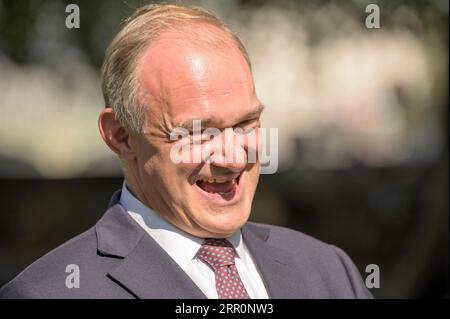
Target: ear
(115, 135)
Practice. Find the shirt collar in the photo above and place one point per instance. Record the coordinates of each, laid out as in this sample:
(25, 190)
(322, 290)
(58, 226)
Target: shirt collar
(181, 246)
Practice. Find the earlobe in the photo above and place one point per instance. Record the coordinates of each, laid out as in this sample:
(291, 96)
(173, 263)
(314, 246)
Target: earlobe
(115, 135)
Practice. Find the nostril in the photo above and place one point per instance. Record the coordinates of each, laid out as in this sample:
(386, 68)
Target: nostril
(234, 161)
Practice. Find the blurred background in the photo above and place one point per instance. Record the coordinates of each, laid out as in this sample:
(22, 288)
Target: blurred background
(362, 116)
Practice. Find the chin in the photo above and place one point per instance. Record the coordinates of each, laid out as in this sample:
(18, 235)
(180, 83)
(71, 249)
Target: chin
(225, 221)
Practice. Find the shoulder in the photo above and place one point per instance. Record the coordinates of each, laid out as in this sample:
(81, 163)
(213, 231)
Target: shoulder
(318, 259)
(303, 245)
(48, 273)
(294, 240)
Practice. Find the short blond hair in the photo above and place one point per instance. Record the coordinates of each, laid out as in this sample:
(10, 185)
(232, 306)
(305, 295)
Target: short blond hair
(119, 82)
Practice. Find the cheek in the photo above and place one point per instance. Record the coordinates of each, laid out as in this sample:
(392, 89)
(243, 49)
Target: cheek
(173, 177)
(146, 154)
(252, 144)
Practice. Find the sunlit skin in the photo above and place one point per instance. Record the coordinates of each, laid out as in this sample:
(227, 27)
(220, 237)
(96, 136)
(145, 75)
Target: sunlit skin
(183, 80)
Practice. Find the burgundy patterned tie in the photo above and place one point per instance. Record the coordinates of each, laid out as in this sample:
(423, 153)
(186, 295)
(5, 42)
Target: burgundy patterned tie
(219, 255)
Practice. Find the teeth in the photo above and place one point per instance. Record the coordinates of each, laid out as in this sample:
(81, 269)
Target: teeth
(219, 180)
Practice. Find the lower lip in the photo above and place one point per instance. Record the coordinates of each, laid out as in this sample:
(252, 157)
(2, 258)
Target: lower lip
(226, 199)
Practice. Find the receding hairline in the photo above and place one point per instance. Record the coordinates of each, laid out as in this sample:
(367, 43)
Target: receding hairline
(210, 40)
(119, 78)
(217, 43)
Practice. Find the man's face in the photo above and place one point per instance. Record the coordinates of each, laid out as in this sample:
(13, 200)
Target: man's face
(183, 82)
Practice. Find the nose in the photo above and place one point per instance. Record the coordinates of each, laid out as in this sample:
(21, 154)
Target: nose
(231, 154)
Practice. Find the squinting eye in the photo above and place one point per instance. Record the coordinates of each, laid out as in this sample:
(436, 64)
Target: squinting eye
(247, 127)
(251, 129)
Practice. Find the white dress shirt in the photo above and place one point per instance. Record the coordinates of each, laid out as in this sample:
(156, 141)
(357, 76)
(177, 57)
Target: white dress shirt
(182, 248)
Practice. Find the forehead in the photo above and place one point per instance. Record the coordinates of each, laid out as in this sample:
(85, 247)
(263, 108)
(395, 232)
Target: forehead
(195, 79)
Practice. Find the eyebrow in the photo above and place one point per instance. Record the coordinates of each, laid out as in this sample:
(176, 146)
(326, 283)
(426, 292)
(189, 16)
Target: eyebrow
(209, 122)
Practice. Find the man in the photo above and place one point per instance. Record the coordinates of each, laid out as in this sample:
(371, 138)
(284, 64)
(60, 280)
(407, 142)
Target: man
(181, 230)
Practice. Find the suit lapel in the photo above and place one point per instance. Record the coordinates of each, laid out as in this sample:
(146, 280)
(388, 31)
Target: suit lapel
(144, 268)
(149, 272)
(283, 280)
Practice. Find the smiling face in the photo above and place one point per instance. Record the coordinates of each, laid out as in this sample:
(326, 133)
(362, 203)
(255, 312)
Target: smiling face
(184, 81)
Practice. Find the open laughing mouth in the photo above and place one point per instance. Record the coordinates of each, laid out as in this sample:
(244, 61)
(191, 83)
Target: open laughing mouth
(221, 187)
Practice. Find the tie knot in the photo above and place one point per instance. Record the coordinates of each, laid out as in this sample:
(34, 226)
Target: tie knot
(216, 252)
